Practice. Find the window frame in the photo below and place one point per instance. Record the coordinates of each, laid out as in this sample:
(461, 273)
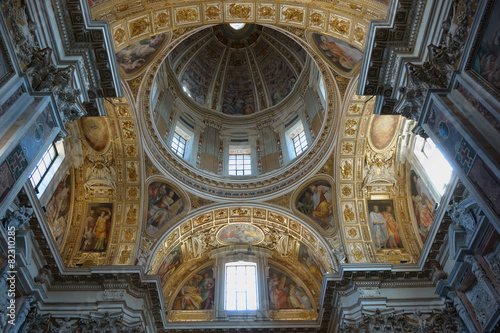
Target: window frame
(43, 161)
(181, 142)
(298, 143)
(254, 291)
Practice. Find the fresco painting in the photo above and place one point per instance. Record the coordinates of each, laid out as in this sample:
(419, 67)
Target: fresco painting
(164, 204)
(315, 201)
(385, 229)
(382, 131)
(423, 205)
(486, 60)
(97, 228)
(240, 233)
(135, 56)
(197, 293)
(340, 54)
(238, 95)
(279, 77)
(170, 264)
(308, 259)
(95, 131)
(199, 74)
(58, 208)
(285, 292)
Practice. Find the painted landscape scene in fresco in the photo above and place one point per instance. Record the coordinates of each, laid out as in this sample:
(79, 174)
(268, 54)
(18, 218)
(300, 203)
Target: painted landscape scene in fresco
(58, 208)
(97, 227)
(422, 204)
(315, 201)
(164, 204)
(285, 293)
(197, 293)
(385, 229)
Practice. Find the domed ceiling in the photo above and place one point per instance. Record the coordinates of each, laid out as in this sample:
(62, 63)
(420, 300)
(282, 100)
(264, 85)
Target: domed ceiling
(238, 72)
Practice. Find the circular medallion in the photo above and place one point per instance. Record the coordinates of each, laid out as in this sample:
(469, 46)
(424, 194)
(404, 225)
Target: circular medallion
(443, 130)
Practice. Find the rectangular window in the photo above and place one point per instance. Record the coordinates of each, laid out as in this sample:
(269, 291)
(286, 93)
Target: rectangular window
(240, 163)
(178, 144)
(241, 286)
(300, 143)
(41, 168)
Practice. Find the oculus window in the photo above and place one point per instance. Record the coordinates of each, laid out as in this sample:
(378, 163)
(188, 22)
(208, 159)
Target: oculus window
(240, 162)
(241, 286)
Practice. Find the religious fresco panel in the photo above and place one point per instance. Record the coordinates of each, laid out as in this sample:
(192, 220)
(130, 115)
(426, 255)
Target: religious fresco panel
(238, 95)
(486, 58)
(278, 76)
(310, 261)
(95, 131)
(384, 224)
(164, 205)
(97, 227)
(422, 204)
(199, 74)
(197, 293)
(339, 54)
(58, 210)
(285, 292)
(240, 233)
(170, 264)
(315, 201)
(382, 130)
(135, 56)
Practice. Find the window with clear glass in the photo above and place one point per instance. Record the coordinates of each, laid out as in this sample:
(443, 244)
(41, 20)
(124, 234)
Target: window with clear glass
(240, 162)
(299, 143)
(41, 168)
(178, 144)
(432, 160)
(322, 87)
(241, 286)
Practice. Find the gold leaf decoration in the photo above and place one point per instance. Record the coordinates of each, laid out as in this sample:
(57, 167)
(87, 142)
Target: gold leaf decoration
(346, 170)
(266, 12)
(348, 214)
(346, 191)
(119, 35)
(162, 19)
(139, 27)
(293, 15)
(317, 19)
(350, 127)
(359, 34)
(239, 11)
(212, 12)
(348, 148)
(186, 15)
(340, 26)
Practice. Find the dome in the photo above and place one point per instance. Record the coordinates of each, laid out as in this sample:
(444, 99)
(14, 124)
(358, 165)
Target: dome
(238, 71)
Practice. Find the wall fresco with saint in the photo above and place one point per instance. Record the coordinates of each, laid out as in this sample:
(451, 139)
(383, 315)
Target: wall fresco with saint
(170, 264)
(95, 132)
(97, 227)
(340, 54)
(385, 230)
(164, 204)
(309, 259)
(197, 293)
(423, 205)
(58, 210)
(135, 56)
(315, 201)
(486, 60)
(238, 96)
(240, 233)
(285, 292)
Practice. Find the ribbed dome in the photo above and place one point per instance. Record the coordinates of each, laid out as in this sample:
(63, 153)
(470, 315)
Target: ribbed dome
(238, 72)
